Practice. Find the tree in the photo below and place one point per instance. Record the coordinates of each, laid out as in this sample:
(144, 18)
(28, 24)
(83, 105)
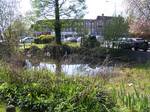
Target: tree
(139, 14)
(8, 14)
(116, 28)
(76, 25)
(59, 9)
(15, 30)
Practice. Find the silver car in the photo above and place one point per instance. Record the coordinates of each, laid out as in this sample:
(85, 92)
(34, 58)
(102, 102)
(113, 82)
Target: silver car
(27, 40)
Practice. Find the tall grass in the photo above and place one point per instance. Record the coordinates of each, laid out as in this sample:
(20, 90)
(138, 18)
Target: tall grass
(133, 101)
(41, 90)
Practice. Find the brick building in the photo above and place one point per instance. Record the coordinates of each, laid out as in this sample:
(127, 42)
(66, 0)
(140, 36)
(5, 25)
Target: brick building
(80, 26)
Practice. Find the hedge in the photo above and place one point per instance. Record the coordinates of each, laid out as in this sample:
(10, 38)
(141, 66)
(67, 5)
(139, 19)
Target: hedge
(44, 39)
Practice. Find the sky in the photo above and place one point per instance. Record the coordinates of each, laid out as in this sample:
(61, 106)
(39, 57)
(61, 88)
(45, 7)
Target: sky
(94, 7)
(108, 7)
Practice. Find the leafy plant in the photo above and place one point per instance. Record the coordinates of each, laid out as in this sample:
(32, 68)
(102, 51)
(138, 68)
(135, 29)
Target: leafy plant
(44, 39)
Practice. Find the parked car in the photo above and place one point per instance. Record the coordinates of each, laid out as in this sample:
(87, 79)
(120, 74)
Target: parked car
(132, 43)
(79, 39)
(140, 43)
(125, 43)
(71, 39)
(27, 40)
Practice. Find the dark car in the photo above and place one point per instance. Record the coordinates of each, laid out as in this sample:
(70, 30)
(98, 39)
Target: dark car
(125, 43)
(132, 43)
(140, 43)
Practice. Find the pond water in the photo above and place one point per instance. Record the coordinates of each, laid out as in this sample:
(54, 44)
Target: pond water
(72, 69)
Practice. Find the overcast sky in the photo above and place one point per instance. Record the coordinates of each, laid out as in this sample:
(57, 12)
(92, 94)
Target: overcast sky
(95, 7)
(108, 7)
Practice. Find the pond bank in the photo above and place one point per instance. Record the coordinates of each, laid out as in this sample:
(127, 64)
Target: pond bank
(95, 56)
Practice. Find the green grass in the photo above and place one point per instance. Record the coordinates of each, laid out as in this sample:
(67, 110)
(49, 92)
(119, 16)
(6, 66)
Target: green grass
(127, 92)
(28, 45)
(2, 108)
(72, 44)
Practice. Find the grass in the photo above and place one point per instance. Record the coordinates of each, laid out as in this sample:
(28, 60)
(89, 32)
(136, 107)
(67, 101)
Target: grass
(127, 92)
(131, 89)
(2, 108)
(72, 44)
(28, 45)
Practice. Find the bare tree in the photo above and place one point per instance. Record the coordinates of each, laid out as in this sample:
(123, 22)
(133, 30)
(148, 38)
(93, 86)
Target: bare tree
(8, 14)
(139, 11)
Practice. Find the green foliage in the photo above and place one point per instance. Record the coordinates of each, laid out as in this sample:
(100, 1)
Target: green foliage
(5, 50)
(42, 92)
(116, 28)
(58, 9)
(44, 39)
(57, 51)
(135, 101)
(43, 25)
(15, 30)
(90, 42)
(33, 50)
(69, 8)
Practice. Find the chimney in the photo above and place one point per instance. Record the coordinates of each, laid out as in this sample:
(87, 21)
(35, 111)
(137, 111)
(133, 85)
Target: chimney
(103, 14)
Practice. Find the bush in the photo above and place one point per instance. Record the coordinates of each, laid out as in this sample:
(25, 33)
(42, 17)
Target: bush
(56, 51)
(44, 39)
(33, 51)
(90, 42)
(5, 51)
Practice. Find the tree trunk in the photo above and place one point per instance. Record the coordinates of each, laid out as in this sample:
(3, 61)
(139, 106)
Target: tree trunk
(57, 23)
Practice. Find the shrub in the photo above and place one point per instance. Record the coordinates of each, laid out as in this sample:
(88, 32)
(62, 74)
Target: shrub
(56, 51)
(90, 42)
(33, 51)
(5, 50)
(44, 39)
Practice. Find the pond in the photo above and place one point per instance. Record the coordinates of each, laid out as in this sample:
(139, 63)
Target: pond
(72, 69)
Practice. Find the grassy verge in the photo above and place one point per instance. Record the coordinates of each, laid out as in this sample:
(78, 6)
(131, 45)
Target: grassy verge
(44, 91)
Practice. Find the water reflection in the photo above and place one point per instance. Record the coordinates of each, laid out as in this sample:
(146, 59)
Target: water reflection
(70, 69)
(75, 69)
